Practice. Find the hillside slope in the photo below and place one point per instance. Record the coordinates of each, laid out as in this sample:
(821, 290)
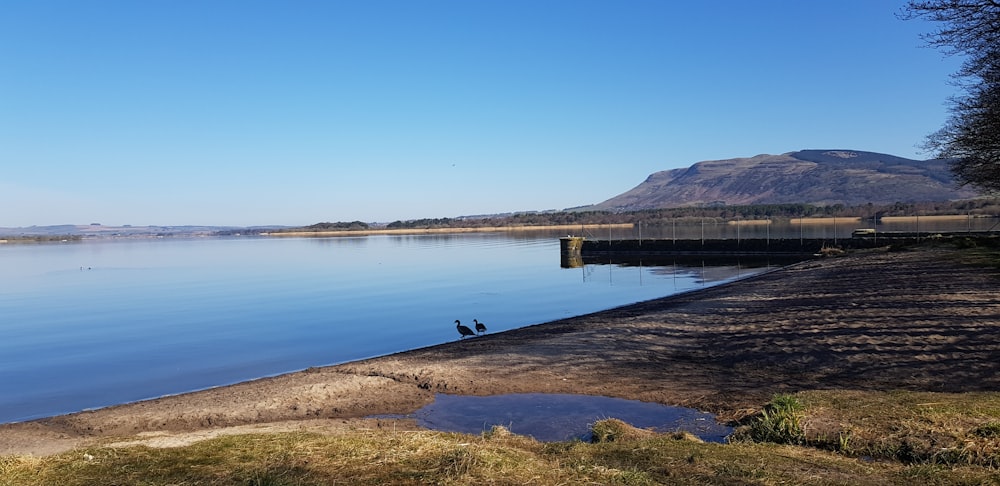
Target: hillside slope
(821, 177)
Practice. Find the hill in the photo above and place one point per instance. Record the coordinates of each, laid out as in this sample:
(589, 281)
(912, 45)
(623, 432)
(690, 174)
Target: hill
(820, 177)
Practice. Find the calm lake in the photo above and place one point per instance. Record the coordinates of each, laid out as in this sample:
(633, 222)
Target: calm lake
(103, 322)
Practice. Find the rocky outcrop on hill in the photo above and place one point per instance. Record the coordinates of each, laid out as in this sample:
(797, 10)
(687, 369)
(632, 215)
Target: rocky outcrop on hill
(821, 177)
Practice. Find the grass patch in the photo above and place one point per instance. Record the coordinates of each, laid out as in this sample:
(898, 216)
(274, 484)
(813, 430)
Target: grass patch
(815, 437)
(979, 252)
(614, 430)
(624, 456)
(780, 422)
(909, 427)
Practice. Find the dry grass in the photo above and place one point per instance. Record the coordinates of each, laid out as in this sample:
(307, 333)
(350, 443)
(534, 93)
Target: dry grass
(911, 427)
(355, 457)
(626, 455)
(979, 252)
(824, 220)
(749, 222)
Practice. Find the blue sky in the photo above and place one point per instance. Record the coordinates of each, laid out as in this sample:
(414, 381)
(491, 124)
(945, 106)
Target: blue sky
(252, 112)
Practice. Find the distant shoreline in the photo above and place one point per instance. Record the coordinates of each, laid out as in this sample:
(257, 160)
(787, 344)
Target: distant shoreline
(76, 233)
(885, 219)
(421, 231)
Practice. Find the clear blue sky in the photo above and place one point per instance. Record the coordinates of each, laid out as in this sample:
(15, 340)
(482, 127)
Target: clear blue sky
(252, 112)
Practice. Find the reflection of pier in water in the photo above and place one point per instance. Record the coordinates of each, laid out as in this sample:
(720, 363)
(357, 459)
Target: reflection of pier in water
(736, 261)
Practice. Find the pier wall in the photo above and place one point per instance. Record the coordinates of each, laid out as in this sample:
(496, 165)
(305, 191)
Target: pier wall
(574, 251)
(773, 246)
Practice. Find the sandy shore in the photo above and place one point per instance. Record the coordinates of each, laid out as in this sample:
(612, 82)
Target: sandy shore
(914, 320)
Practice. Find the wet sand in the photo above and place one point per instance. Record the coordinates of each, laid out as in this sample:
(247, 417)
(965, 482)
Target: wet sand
(911, 320)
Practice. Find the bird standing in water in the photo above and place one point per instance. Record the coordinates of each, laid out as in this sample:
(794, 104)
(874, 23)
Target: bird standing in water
(480, 327)
(463, 330)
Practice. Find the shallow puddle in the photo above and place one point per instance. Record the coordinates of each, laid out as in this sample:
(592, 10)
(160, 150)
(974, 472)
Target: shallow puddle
(555, 417)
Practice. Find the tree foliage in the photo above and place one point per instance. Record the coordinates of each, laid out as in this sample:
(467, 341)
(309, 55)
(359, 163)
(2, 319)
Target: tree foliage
(971, 135)
(666, 216)
(327, 226)
(982, 206)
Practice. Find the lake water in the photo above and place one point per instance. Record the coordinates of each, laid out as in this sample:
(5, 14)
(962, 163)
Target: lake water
(102, 322)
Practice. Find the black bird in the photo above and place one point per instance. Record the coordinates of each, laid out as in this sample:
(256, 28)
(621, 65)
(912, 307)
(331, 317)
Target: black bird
(480, 327)
(463, 330)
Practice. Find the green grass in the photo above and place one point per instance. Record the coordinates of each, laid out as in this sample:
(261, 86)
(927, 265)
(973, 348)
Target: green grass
(780, 422)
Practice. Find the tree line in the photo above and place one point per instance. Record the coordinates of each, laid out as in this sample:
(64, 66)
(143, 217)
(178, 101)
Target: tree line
(978, 207)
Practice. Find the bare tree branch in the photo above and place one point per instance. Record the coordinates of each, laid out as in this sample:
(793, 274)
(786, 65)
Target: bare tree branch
(971, 136)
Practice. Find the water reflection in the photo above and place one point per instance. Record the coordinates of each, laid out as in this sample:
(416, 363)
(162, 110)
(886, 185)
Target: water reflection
(696, 261)
(701, 270)
(559, 417)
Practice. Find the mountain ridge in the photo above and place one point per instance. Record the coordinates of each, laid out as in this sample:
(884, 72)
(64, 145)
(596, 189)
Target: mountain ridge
(820, 177)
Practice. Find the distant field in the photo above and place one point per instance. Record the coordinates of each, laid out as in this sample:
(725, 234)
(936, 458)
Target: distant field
(823, 220)
(742, 222)
(911, 219)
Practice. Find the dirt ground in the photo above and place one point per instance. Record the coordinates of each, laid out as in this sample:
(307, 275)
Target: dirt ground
(911, 320)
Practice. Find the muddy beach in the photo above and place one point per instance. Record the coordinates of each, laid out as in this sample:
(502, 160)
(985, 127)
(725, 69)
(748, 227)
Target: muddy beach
(878, 320)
